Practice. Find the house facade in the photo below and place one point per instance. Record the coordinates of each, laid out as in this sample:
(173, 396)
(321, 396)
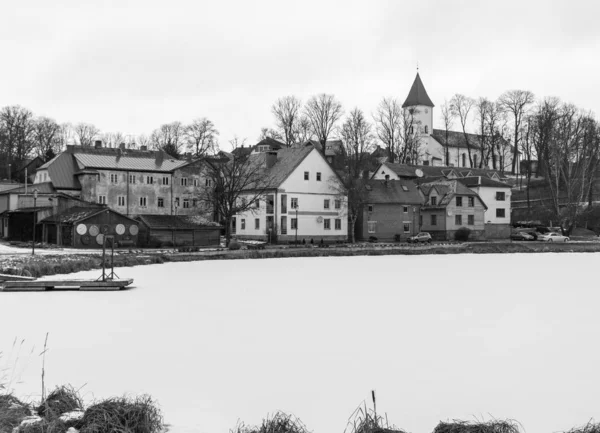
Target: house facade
(449, 205)
(391, 212)
(303, 200)
(132, 182)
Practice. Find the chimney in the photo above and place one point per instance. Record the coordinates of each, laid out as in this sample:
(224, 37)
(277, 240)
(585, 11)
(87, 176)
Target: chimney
(188, 156)
(144, 148)
(98, 144)
(70, 148)
(387, 181)
(270, 159)
(122, 146)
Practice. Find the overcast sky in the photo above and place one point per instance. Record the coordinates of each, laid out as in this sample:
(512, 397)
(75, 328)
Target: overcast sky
(131, 66)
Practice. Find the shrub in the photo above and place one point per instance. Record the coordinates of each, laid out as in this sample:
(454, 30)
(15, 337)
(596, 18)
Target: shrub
(397, 237)
(495, 426)
(372, 239)
(462, 234)
(590, 427)
(233, 245)
(279, 423)
(124, 414)
(12, 412)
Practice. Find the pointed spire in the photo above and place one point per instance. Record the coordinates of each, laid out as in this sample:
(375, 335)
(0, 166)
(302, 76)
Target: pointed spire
(417, 94)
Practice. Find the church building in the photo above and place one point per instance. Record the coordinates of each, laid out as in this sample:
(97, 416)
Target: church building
(431, 141)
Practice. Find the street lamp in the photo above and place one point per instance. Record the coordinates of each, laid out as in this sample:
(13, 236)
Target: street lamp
(35, 193)
(296, 226)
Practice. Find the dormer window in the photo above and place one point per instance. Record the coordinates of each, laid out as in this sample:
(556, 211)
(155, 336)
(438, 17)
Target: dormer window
(426, 129)
(433, 200)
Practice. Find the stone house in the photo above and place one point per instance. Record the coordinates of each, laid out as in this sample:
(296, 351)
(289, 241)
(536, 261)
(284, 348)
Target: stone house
(449, 205)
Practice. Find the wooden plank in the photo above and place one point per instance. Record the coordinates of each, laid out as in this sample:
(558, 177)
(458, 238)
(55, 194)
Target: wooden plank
(6, 277)
(8, 286)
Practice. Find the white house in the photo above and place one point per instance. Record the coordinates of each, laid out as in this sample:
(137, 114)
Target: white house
(432, 149)
(303, 200)
(496, 196)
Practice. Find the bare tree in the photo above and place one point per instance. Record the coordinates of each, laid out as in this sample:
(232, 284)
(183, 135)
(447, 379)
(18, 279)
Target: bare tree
(323, 112)
(168, 138)
(495, 117)
(201, 136)
(269, 133)
(46, 137)
(112, 139)
(461, 107)
(358, 141)
(517, 103)
(410, 138)
(16, 143)
(143, 140)
(303, 129)
(388, 126)
(287, 113)
(447, 118)
(237, 186)
(85, 133)
(64, 136)
(482, 107)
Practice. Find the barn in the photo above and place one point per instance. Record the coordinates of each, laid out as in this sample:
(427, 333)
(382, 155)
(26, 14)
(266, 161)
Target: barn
(176, 230)
(84, 227)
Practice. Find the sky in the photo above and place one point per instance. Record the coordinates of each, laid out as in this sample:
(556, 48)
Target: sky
(130, 66)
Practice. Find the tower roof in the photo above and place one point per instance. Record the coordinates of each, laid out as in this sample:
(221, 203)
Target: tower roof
(417, 95)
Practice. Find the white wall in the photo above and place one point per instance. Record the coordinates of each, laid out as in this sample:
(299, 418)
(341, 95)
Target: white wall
(488, 195)
(42, 176)
(384, 170)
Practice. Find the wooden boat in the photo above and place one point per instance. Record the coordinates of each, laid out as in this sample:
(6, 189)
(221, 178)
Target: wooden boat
(41, 285)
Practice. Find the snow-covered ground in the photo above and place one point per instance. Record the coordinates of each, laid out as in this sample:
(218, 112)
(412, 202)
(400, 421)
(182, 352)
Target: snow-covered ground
(437, 337)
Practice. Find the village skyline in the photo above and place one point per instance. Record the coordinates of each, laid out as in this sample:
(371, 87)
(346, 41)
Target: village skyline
(133, 68)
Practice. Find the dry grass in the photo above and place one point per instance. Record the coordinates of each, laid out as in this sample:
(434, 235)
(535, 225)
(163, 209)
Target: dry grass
(590, 427)
(365, 420)
(12, 411)
(280, 422)
(494, 426)
(123, 414)
(63, 399)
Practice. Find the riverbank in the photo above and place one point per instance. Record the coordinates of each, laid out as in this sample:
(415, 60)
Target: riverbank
(65, 263)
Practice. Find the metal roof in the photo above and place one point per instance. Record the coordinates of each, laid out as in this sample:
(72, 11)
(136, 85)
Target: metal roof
(417, 95)
(125, 162)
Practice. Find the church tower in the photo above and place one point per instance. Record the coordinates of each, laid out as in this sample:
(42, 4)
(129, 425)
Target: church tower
(419, 100)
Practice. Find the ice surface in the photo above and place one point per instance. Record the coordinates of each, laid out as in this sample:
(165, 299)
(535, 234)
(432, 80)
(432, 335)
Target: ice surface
(437, 337)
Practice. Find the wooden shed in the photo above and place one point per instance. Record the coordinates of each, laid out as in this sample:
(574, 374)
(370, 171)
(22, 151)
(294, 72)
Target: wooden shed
(175, 230)
(84, 227)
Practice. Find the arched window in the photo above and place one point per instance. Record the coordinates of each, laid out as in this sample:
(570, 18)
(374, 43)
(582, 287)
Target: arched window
(464, 160)
(426, 129)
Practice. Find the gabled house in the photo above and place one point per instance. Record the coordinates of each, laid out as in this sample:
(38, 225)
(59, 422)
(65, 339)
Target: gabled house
(395, 171)
(497, 196)
(392, 210)
(132, 182)
(449, 205)
(302, 200)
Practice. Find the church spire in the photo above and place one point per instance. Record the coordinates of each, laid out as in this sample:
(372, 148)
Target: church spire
(417, 94)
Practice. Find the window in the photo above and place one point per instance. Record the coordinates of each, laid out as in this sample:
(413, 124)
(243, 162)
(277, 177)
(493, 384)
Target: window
(284, 203)
(283, 225)
(406, 227)
(464, 160)
(458, 220)
(318, 176)
(270, 204)
(338, 204)
(433, 201)
(471, 201)
(165, 180)
(371, 226)
(186, 203)
(149, 180)
(459, 201)
(338, 224)
(306, 175)
(143, 201)
(500, 213)
(257, 203)
(132, 178)
(183, 181)
(244, 202)
(326, 204)
(426, 129)
(370, 208)
(243, 224)
(161, 202)
(404, 187)
(294, 204)
(113, 178)
(176, 201)
(500, 195)
(470, 220)
(102, 199)
(294, 223)
(194, 202)
(257, 223)
(433, 220)
(208, 182)
(327, 224)
(420, 220)
(121, 201)
(404, 209)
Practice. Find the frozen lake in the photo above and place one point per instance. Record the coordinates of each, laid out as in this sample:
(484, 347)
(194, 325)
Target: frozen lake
(438, 337)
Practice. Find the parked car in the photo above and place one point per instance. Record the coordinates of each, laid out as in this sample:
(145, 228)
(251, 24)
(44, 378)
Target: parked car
(553, 237)
(420, 237)
(522, 236)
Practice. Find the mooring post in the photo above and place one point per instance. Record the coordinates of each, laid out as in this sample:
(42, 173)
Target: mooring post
(103, 258)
